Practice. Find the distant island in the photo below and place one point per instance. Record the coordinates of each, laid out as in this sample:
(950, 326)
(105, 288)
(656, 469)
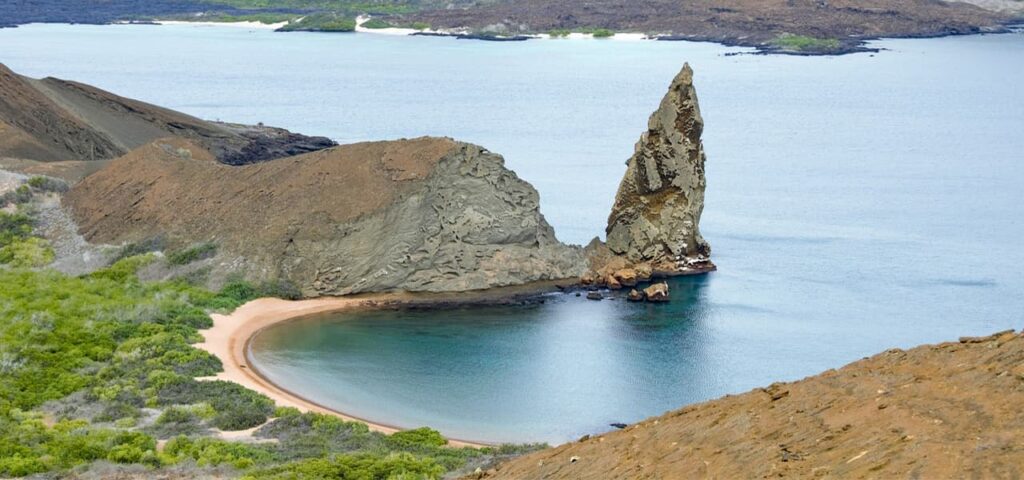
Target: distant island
(805, 27)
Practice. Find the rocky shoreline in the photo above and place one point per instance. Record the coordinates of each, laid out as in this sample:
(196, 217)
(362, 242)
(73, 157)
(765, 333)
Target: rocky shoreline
(414, 215)
(790, 28)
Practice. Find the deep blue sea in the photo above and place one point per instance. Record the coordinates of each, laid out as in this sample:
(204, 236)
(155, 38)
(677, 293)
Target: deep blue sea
(854, 204)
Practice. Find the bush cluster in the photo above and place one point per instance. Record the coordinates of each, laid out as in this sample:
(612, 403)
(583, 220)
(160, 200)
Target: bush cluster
(194, 253)
(103, 351)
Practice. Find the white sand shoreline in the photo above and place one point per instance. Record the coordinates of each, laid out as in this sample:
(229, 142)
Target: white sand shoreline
(229, 337)
(395, 31)
(244, 24)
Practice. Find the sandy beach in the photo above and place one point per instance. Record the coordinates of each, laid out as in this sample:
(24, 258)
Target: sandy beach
(229, 337)
(250, 25)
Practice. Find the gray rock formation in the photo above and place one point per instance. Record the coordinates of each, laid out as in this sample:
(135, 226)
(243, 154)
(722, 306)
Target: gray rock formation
(471, 224)
(656, 215)
(428, 214)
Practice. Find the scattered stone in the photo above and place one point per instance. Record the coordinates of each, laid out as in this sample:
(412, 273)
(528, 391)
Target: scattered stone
(594, 295)
(635, 296)
(657, 292)
(619, 426)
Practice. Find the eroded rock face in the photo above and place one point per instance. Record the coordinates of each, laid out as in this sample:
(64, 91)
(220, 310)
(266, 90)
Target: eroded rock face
(428, 214)
(656, 216)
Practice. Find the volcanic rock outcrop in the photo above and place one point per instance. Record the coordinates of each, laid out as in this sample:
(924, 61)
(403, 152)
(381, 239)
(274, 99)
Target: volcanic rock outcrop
(653, 229)
(428, 214)
(58, 120)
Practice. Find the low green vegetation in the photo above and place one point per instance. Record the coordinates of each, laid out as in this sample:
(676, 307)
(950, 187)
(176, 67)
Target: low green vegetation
(377, 23)
(264, 18)
(559, 33)
(349, 6)
(603, 33)
(191, 254)
(99, 367)
(803, 43)
(321, 22)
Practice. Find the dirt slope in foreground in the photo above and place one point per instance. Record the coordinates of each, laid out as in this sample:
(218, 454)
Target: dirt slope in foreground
(938, 411)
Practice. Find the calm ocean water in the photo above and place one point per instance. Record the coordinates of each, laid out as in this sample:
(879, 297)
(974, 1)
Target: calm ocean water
(855, 204)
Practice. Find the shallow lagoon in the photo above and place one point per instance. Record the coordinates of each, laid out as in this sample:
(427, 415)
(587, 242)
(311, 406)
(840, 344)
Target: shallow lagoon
(855, 204)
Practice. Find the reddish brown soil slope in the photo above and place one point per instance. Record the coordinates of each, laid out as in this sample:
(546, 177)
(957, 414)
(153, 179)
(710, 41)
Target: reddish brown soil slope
(175, 187)
(937, 411)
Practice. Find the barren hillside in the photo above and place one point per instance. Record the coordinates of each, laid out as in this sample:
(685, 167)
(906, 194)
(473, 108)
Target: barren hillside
(937, 411)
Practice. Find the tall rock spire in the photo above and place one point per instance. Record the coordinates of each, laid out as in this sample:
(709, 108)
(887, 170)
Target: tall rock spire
(654, 223)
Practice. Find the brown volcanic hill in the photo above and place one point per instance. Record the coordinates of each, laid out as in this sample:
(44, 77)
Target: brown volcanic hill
(938, 411)
(744, 22)
(429, 214)
(58, 120)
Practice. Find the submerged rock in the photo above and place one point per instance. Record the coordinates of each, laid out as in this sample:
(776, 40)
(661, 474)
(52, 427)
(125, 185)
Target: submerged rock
(655, 219)
(635, 296)
(594, 295)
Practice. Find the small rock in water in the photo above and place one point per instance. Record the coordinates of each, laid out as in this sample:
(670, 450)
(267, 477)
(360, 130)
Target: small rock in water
(657, 292)
(619, 426)
(594, 295)
(635, 296)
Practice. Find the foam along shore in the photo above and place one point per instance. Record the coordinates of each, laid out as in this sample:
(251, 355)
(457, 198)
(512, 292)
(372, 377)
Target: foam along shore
(229, 337)
(244, 24)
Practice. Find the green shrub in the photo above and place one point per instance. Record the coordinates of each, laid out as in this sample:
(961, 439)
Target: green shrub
(18, 196)
(175, 421)
(191, 254)
(47, 184)
(28, 253)
(803, 43)
(363, 466)
(321, 22)
(420, 437)
(559, 32)
(211, 451)
(142, 247)
(14, 226)
(237, 408)
(603, 33)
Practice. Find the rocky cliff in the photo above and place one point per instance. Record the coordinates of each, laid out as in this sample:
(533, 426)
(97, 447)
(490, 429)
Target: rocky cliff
(429, 214)
(654, 225)
(936, 411)
(58, 120)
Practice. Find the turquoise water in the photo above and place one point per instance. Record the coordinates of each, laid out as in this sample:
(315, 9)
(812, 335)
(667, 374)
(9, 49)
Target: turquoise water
(855, 203)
